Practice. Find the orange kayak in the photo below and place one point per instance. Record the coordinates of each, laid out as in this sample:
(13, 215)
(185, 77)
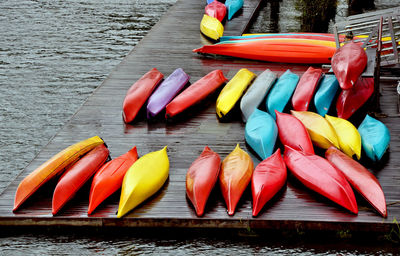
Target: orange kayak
(109, 178)
(76, 176)
(52, 167)
(235, 175)
(201, 178)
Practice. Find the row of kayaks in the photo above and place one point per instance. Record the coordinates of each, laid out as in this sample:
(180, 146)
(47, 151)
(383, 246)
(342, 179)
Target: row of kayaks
(79, 163)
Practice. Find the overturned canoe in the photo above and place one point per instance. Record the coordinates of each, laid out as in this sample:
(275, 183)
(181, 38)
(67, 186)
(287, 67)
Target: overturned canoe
(77, 175)
(305, 89)
(293, 133)
(348, 136)
(167, 90)
(139, 92)
(256, 93)
(211, 27)
(326, 92)
(360, 179)
(52, 167)
(375, 138)
(351, 100)
(286, 50)
(321, 131)
(195, 93)
(319, 175)
(232, 91)
(216, 10)
(201, 178)
(348, 63)
(233, 6)
(281, 92)
(260, 133)
(235, 175)
(143, 179)
(268, 178)
(109, 178)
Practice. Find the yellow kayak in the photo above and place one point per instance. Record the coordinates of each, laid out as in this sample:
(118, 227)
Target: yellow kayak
(233, 90)
(348, 135)
(211, 27)
(321, 131)
(143, 179)
(52, 167)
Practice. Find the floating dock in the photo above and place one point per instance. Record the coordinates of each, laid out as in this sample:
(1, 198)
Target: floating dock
(168, 46)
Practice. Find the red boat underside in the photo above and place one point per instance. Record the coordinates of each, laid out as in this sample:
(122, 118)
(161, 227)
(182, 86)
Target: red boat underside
(216, 9)
(319, 175)
(76, 176)
(109, 178)
(305, 89)
(360, 179)
(201, 178)
(268, 178)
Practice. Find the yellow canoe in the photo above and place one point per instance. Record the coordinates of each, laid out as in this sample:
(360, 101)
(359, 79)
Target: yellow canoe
(233, 90)
(211, 27)
(348, 135)
(52, 167)
(143, 179)
(321, 131)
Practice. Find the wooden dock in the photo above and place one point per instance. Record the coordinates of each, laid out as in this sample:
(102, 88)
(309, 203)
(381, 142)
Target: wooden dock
(169, 46)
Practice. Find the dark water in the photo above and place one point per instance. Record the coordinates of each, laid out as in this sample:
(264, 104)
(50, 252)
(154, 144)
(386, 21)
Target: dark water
(53, 54)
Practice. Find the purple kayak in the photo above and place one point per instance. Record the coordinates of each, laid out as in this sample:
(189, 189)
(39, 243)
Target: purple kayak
(167, 90)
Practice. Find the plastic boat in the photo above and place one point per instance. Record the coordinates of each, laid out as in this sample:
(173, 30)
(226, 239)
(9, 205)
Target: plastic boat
(52, 167)
(216, 10)
(211, 27)
(305, 89)
(201, 178)
(109, 178)
(326, 92)
(77, 175)
(233, 6)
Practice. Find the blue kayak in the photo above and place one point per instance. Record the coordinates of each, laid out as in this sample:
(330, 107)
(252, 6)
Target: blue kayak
(326, 92)
(233, 6)
(375, 137)
(261, 133)
(281, 92)
(210, 1)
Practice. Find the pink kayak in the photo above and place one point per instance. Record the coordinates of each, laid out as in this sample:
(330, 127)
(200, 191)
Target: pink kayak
(360, 179)
(268, 178)
(319, 175)
(201, 178)
(305, 89)
(216, 9)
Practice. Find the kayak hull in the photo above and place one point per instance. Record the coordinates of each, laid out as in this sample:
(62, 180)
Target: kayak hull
(233, 6)
(305, 89)
(325, 94)
(216, 10)
(211, 27)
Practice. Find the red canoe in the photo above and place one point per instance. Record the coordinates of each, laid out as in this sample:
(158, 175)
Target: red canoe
(360, 179)
(76, 176)
(268, 178)
(139, 93)
(201, 178)
(348, 63)
(216, 9)
(235, 175)
(195, 92)
(109, 178)
(319, 175)
(305, 89)
(293, 133)
(351, 100)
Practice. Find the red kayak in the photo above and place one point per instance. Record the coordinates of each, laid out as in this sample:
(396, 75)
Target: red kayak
(216, 9)
(195, 92)
(360, 179)
(351, 100)
(201, 178)
(293, 133)
(76, 176)
(319, 175)
(268, 178)
(348, 63)
(305, 89)
(109, 178)
(235, 175)
(139, 93)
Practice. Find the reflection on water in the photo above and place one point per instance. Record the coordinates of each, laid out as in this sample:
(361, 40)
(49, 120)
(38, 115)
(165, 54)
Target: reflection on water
(316, 15)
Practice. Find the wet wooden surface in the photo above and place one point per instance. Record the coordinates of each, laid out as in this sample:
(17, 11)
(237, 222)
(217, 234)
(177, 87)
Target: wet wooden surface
(167, 47)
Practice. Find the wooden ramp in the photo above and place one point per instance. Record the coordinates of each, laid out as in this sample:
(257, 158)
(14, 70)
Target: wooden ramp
(169, 46)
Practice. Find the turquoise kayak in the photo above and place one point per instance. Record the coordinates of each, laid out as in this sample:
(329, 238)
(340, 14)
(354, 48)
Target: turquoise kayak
(233, 6)
(326, 92)
(261, 133)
